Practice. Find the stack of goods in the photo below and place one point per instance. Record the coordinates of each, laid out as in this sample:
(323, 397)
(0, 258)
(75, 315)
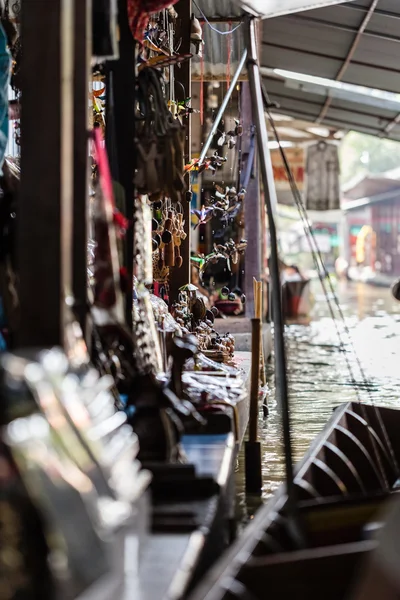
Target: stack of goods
(160, 142)
(192, 315)
(215, 389)
(167, 236)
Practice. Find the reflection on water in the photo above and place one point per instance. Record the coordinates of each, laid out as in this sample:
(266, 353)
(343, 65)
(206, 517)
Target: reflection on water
(319, 379)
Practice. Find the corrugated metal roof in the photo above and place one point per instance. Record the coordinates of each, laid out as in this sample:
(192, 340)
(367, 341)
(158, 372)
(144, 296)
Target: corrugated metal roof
(218, 51)
(318, 43)
(262, 8)
(217, 9)
(323, 42)
(342, 114)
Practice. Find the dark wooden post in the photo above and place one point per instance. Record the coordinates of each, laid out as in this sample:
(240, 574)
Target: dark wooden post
(45, 203)
(180, 277)
(83, 52)
(122, 79)
(253, 466)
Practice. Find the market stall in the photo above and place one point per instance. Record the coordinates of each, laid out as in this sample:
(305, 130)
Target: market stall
(122, 407)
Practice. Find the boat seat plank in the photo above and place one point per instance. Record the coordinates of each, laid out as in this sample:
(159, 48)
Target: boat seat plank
(310, 574)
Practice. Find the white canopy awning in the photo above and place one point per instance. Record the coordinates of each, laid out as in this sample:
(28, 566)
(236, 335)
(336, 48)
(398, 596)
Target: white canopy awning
(277, 8)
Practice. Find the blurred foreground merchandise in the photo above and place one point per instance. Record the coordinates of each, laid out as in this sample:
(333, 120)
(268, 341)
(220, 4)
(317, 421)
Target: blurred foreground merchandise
(69, 465)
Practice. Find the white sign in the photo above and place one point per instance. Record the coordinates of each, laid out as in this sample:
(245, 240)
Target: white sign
(323, 242)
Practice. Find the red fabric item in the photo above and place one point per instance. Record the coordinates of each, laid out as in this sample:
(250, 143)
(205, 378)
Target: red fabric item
(121, 222)
(139, 12)
(100, 155)
(101, 158)
(106, 274)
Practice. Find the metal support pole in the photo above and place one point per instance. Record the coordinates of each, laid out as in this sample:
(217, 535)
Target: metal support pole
(270, 200)
(222, 108)
(252, 211)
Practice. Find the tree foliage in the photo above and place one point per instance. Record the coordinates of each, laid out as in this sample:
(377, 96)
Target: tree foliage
(361, 153)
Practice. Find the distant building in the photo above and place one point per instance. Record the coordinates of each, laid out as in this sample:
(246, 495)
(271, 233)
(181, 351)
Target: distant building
(371, 224)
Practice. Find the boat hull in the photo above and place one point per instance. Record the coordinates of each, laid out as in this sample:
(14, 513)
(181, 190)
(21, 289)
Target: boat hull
(310, 544)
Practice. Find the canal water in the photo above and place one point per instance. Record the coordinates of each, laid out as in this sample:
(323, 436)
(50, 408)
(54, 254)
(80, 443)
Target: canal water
(319, 378)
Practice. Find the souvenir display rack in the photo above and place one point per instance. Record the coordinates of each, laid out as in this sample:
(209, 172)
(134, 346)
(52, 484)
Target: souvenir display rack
(106, 390)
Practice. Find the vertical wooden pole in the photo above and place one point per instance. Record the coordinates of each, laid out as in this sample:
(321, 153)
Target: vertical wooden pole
(253, 468)
(180, 277)
(83, 52)
(255, 378)
(45, 203)
(258, 313)
(123, 81)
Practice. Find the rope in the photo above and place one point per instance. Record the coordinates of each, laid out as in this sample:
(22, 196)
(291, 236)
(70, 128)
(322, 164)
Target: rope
(211, 26)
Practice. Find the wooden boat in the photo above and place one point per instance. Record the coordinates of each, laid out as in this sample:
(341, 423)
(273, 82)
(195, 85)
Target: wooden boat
(296, 299)
(313, 547)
